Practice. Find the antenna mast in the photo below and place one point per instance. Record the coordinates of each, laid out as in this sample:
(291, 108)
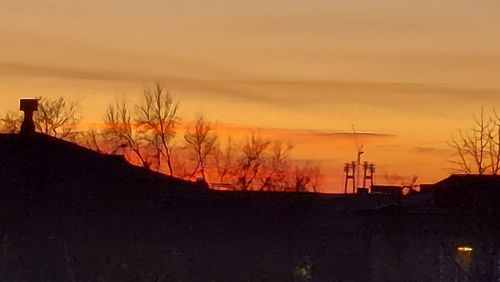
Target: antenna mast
(352, 171)
(359, 149)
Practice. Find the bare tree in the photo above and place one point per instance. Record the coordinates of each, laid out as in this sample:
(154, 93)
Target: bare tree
(119, 130)
(11, 122)
(477, 151)
(494, 137)
(265, 165)
(225, 160)
(181, 162)
(276, 166)
(157, 119)
(249, 165)
(316, 177)
(202, 143)
(92, 139)
(306, 178)
(57, 117)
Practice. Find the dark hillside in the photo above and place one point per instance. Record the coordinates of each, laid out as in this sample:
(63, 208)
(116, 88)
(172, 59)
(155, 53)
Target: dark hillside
(70, 214)
(39, 162)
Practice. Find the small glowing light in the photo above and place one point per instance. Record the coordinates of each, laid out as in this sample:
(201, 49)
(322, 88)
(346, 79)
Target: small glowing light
(465, 249)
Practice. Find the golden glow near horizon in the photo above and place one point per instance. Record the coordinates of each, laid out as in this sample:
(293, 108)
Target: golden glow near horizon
(412, 72)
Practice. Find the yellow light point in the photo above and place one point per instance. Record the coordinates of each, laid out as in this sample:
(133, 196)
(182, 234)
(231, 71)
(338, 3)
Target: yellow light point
(465, 249)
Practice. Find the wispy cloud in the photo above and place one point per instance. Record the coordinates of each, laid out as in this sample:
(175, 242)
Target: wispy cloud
(281, 93)
(316, 144)
(34, 70)
(381, 93)
(215, 88)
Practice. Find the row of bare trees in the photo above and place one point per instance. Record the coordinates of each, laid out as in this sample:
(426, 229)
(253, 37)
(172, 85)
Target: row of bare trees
(477, 150)
(150, 134)
(265, 165)
(147, 135)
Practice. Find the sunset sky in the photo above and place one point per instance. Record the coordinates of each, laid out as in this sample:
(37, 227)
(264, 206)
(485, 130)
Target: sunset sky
(409, 73)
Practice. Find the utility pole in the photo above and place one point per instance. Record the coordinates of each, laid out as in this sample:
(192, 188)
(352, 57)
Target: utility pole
(350, 174)
(369, 172)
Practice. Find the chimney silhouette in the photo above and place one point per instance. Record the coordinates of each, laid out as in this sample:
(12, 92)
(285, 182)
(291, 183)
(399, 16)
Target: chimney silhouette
(28, 106)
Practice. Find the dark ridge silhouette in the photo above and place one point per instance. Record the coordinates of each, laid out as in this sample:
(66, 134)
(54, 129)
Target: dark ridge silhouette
(40, 162)
(71, 214)
(468, 193)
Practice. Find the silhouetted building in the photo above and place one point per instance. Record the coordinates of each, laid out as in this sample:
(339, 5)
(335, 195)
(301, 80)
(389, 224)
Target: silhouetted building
(391, 190)
(426, 188)
(468, 192)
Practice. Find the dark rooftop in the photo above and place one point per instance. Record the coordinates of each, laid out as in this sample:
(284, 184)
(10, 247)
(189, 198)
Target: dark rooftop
(42, 163)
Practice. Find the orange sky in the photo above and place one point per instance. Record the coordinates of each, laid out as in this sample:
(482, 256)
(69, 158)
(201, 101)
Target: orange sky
(412, 72)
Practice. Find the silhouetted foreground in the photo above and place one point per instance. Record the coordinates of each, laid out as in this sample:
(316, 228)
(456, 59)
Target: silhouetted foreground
(70, 214)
